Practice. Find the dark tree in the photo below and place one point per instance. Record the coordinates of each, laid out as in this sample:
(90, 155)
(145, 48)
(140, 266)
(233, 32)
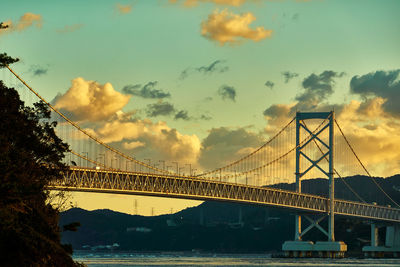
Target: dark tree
(30, 157)
(6, 60)
(2, 26)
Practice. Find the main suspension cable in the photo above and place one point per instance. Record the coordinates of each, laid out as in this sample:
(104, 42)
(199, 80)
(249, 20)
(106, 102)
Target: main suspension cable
(285, 154)
(362, 165)
(249, 155)
(83, 131)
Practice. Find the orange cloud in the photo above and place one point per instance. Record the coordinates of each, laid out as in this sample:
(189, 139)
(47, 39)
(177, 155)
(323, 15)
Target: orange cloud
(25, 21)
(70, 28)
(153, 140)
(100, 107)
(89, 100)
(192, 3)
(226, 27)
(123, 9)
(374, 134)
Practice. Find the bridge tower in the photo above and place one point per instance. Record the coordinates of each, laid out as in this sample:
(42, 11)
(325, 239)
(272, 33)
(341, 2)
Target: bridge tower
(298, 247)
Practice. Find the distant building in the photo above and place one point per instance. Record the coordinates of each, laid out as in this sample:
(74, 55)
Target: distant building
(138, 229)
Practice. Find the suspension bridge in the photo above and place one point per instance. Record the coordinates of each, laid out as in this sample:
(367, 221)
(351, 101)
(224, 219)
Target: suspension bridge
(311, 146)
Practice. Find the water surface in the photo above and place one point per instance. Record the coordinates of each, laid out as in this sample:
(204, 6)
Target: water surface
(121, 259)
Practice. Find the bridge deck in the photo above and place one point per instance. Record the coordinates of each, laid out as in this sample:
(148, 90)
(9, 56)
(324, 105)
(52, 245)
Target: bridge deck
(119, 182)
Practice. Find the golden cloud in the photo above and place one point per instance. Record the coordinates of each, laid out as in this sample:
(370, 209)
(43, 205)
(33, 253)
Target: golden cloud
(160, 141)
(89, 100)
(226, 27)
(25, 21)
(70, 28)
(192, 3)
(374, 134)
(133, 145)
(123, 9)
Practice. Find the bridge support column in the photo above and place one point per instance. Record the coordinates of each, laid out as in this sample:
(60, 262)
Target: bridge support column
(330, 248)
(391, 246)
(331, 225)
(297, 230)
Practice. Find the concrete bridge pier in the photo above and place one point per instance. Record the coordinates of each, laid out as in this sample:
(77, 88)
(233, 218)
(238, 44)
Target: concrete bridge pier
(391, 246)
(322, 249)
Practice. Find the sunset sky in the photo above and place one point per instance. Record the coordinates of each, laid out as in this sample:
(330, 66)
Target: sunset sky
(201, 81)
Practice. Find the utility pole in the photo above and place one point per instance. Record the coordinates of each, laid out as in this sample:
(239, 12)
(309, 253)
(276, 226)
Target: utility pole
(163, 162)
(190, 169)
(177, 167)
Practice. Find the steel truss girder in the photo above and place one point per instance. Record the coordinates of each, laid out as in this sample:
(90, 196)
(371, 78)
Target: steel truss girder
(134, 183)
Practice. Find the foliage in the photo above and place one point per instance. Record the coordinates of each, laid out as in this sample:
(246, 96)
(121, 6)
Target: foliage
(3, 26)
(6, 60)
(30, 157)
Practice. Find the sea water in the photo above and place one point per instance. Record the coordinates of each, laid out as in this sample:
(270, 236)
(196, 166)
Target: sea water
(121, 259)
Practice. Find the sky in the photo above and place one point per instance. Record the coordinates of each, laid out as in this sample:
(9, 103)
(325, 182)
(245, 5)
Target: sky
(201, 81)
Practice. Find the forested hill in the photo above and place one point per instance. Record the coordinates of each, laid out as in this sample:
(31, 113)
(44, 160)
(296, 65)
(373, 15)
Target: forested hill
(219, 226)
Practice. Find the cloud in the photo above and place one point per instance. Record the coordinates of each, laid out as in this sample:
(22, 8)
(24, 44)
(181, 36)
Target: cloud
(384, 84)
(182, 114)
(227, 92)
(89, 100)
(374, 134)
(70, 28)
(123, 9)
(289, 75)
(277, 111)
(146, 91)
(212, 68)
(152, 140)
(269, 84)
(25, 21)
(205, 117)
(100, 106)
(277, 116)
(317, 88)
(38, 70)
(160, 109)
(223, 145)
(192, 3)
(167, 109)
(184, 74)
(226, 27)
(133, 145)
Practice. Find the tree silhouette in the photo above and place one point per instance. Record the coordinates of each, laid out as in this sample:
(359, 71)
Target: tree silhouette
(30, 157)
(2, 26)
